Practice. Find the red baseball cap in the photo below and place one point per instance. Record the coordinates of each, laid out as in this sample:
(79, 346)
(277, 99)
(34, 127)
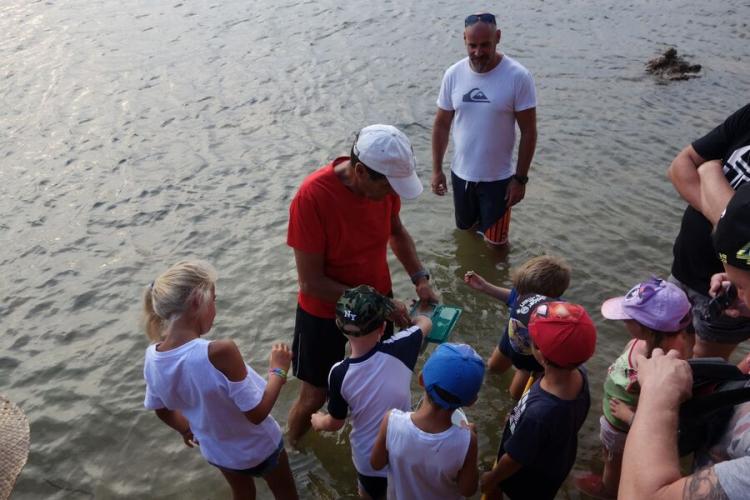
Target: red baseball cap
(563, 333)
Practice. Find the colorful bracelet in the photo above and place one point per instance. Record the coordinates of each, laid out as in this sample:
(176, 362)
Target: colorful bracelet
(278, 372)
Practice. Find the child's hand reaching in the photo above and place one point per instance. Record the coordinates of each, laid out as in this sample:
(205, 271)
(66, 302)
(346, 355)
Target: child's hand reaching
(281, 357)
(621, 411)
(475, 281)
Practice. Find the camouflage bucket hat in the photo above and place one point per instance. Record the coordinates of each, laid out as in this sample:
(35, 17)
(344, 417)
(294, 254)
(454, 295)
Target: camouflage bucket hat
(361, 310)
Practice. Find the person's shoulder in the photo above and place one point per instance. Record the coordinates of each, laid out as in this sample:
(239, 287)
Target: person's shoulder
(338, 371)
(316, 177)
(402, 335)
(460, 65)
(516, 70)
(225, 356)
(515, 65)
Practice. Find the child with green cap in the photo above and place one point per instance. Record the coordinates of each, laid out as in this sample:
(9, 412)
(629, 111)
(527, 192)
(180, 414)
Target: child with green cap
(373, 379)
(428, 456)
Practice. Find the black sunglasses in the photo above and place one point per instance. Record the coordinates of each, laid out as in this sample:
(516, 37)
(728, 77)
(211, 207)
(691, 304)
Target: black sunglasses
(475, 18)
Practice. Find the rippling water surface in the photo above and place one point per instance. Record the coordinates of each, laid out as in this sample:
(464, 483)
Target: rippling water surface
(138, 133)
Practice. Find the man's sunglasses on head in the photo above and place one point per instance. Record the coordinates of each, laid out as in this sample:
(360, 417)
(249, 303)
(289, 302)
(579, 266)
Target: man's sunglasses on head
(475, 18)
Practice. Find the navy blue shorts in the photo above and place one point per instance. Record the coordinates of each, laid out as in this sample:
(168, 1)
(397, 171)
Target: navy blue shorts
(319, 344)
(262, 468)
(478, 203)
(376, 487)
(520, 361)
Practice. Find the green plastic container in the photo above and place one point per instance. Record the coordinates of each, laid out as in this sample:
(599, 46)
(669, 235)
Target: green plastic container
(444, 319)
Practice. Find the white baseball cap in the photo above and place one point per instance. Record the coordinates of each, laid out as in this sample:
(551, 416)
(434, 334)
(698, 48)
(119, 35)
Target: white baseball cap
(385, 149)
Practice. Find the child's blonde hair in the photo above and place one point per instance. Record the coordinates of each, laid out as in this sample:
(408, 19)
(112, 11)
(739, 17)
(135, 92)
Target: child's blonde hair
(170, 293)
(546, 275)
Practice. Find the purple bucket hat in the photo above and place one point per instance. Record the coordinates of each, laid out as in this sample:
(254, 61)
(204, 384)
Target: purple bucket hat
(656, 304)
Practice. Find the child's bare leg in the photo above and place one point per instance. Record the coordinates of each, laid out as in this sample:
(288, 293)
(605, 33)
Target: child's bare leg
(281, 481)
(243, 487)
(518, 384)
(499, 362)
(611, 473)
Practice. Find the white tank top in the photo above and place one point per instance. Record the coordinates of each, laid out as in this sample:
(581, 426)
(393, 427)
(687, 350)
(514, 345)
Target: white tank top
(184, 379)
(423, 465)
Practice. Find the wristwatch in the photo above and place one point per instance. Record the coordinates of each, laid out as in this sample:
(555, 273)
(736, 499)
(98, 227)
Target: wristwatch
(422, 273)
(521, 179)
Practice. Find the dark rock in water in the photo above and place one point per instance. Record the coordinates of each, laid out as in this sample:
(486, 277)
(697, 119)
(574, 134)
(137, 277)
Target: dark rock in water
(670, 66)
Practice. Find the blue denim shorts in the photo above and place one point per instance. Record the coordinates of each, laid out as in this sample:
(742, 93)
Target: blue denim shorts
(263, 468)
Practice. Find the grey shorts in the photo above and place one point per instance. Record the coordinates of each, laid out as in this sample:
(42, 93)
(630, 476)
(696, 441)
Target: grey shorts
(724, 330)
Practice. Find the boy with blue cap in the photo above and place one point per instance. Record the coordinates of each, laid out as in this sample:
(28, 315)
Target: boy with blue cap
(428, 456)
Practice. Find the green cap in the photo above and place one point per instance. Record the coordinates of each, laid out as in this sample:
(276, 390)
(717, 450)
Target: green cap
(361, 310)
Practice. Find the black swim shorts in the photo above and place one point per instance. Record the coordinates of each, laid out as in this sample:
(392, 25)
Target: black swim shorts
(481, 203)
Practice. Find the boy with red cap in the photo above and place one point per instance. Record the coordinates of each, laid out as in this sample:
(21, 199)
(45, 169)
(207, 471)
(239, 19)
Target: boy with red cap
(540, 439)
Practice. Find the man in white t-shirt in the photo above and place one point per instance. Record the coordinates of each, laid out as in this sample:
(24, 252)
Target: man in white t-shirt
(484, 95)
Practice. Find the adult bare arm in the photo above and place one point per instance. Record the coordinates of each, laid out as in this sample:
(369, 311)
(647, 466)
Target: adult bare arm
(651, 467)
(440, 135)
(405, 251)
(526, 120)
(715, 191)
(683, 172)
(312, 278)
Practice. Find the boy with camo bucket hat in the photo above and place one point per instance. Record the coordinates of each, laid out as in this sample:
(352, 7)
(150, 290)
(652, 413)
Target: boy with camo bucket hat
(373, 379)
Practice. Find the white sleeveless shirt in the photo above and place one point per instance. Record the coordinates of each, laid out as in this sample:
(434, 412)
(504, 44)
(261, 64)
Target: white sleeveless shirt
(423, 465)
(184, 379)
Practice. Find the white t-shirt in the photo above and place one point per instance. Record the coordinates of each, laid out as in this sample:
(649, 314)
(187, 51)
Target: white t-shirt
(184, 379)
(484, 124)
(423, 465)
(369, 386)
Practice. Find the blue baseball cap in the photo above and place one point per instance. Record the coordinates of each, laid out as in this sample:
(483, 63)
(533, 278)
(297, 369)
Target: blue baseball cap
(456, 369)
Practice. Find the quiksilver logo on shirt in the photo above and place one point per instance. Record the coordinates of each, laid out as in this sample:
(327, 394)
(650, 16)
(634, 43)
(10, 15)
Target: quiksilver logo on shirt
(475, 95)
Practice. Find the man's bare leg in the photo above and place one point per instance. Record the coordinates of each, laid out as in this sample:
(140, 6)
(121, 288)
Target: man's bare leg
(310, 400)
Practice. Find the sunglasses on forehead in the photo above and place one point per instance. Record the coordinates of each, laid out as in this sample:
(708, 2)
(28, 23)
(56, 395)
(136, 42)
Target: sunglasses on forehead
(475, 18)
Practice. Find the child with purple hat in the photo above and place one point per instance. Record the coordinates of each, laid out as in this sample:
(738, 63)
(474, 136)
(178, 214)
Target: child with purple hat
(656, 313)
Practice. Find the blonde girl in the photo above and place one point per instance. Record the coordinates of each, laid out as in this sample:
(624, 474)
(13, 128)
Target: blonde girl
(204, 390)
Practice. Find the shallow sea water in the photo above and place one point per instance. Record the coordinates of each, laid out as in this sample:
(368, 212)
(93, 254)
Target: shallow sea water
(136, 134)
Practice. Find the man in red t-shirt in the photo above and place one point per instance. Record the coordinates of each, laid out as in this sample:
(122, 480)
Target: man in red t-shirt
(341, 222)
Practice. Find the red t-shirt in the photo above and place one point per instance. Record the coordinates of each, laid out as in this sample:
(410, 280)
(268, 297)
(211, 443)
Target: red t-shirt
(351, 231)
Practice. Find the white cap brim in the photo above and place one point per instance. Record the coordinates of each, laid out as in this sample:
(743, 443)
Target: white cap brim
(409, 187)
(612, 309)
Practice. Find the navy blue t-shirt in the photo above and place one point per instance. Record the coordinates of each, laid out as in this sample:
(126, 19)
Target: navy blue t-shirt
(519, 360)
(542, 434)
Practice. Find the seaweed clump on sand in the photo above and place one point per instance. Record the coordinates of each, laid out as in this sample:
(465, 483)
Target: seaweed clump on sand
(670, 66)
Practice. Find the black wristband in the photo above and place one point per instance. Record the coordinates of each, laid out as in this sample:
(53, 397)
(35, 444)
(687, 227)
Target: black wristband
(521, 179)
(422, 273)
